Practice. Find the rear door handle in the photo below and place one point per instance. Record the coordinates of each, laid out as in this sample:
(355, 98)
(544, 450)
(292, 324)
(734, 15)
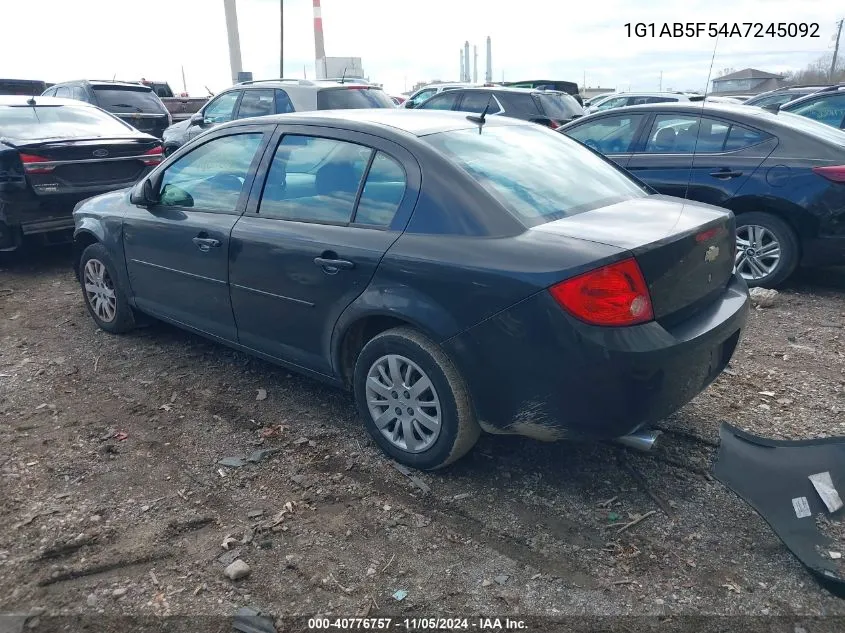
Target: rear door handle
(725, 174)
(331, 266)
(206, 243)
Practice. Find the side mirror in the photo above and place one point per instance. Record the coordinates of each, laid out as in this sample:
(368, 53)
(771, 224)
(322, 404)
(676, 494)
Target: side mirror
(772, 107)
(409, 104)
(143, 194)
(197, 119)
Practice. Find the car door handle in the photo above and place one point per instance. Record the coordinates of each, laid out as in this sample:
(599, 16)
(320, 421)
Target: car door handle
(332, 265)
(206, 243)
(725, 174)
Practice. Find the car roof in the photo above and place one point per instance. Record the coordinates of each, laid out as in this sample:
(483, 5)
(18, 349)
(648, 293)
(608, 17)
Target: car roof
(414, 122)
(822, 92)
(319, 84)
(21, 100)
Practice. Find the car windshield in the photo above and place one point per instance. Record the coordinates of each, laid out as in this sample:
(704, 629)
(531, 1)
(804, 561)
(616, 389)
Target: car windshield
(512, 163)
(559, 106)
(65, 121)
(352, 99)
(125, 100)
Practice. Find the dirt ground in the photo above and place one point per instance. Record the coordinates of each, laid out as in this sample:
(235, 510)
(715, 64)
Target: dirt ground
(114, 501)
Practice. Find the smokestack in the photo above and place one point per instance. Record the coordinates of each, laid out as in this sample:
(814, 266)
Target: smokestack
(474, 64)
(461, 76)
(488, 76)
(319, 44)
(466, 62)
(234, 39)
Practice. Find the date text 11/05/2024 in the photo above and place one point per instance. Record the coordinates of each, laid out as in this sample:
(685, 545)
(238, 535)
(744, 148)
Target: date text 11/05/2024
(722, 29)
(417, 624)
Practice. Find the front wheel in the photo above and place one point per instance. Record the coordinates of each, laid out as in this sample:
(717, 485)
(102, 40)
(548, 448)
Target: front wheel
(413, 400)
(766, 249)
(105, 300)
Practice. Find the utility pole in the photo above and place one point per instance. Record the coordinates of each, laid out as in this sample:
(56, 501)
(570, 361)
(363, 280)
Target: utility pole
(234, 39)
(661, 82)
(835, 52)
(281, 38)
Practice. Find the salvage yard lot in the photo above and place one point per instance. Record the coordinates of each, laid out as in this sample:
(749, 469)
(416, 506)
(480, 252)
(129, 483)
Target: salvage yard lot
(114, 500)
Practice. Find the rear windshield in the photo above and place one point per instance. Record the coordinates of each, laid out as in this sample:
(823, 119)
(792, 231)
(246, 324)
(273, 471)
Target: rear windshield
(66, 121)
(126, 100)
(21, 87)
(559, 106)
(352, 99)
(514, 164)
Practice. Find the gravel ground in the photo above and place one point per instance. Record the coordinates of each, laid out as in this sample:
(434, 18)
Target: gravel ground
(114, 501)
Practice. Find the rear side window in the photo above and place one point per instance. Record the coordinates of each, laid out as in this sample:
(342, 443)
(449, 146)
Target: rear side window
(352, 99)
(257, 103)
(512, 163)
(476, 101)
(314, 179)
(63, 92)
(559, 106)
(78, 93)
(283, 103)
(685, 134)
(383, 192)
(522, 102)
(127, 100)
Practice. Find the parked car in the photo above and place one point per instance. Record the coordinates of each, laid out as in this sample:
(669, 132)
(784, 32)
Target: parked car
(355, 247)
(546, 107)
(826, 106)
(782, 175)
(54, 153)
(27, 87)
(426, 92)
(782, 96)
(274, 96)
(593, 100)
(569, 87)
(180, 106)
(136, 104)
(622, 99)
(399, 99)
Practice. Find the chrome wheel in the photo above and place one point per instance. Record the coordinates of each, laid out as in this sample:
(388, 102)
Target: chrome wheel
(758, 252)
(403, 403)
(99, 290)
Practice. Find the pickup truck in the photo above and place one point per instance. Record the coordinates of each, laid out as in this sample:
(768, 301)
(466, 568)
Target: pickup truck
(182, 107)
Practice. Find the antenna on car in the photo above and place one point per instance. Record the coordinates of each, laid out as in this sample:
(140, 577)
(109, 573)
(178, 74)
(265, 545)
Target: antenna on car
(480, 120)
(343, 74)
(700, 118)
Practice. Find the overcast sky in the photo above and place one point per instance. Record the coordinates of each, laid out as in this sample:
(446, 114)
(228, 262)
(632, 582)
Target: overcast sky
(402, 41)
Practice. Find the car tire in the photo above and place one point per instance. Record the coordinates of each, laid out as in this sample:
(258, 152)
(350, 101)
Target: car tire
(772, 229)
(415, 358)
(106, 302)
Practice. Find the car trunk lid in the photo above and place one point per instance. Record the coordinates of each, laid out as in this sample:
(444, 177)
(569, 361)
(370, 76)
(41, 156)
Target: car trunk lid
(684, 249)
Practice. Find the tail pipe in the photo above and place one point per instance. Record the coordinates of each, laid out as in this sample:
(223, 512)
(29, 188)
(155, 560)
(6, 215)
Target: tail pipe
(639, 440)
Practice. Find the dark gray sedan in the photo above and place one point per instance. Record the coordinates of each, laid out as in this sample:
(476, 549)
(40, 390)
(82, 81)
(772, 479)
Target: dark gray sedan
(433, 264)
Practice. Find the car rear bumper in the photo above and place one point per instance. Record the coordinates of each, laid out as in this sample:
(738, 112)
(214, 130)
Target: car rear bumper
(533, 370)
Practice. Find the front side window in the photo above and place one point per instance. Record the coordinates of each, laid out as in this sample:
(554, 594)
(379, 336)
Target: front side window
(256, 103)
(610, 134)
(314, 179)
(211, 177)
(221, 110)
(443, 101)
(512, 163)
(425, 94)
(383, 192)
(828, 110)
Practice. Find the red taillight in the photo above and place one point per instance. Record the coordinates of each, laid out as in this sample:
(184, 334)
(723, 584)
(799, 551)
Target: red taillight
(709, 234)
(554, 124)
(613, 295)
(33, 164)
(834, 173)
(153, 156)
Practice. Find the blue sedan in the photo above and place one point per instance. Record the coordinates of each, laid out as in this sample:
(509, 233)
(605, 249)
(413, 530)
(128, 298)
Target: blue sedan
(432, 264)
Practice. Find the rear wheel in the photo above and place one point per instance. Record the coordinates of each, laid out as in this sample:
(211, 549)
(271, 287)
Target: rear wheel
(413, 400)
(105, 300)
(766, 249)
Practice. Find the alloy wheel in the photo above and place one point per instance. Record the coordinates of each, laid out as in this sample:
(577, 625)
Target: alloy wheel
(403, 403)
(758, 252)
(99, 290)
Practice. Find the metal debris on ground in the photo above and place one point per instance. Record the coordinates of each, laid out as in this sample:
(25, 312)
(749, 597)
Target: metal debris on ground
(260, 455)
(501, 579)
(252, 620)
(400, 595)
(232, 462)
(121, 435)
(419, 483)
